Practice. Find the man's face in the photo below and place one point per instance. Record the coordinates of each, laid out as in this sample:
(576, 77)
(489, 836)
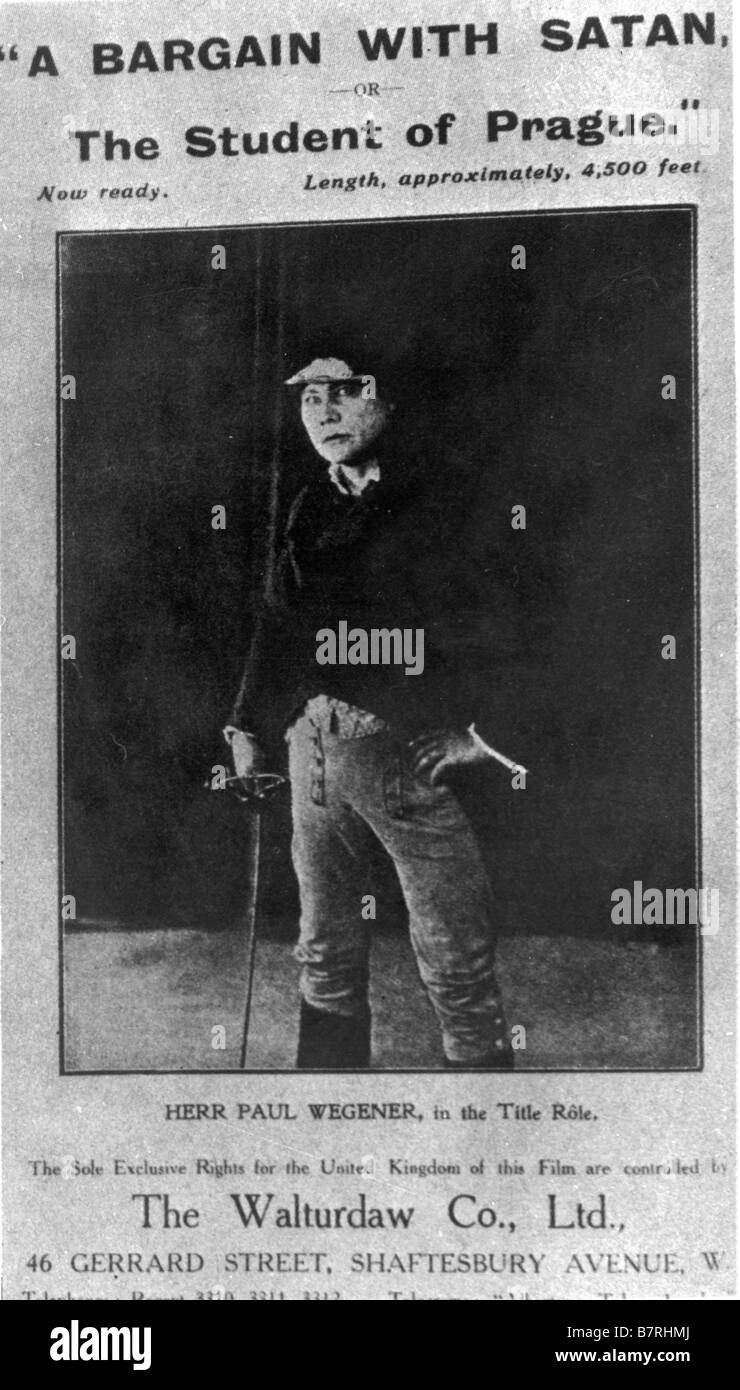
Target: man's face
(341, 424)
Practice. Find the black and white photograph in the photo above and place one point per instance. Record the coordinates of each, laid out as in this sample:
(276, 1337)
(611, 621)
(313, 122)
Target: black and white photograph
(369, 654)
(378, 582)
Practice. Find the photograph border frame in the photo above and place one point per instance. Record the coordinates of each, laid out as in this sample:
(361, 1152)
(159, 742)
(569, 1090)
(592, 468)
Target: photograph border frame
(689, 208)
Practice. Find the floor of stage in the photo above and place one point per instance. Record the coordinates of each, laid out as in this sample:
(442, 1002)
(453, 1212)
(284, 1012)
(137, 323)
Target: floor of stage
(151, 1000)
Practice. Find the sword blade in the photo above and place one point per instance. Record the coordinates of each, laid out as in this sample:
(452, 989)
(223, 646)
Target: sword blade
(250, 921)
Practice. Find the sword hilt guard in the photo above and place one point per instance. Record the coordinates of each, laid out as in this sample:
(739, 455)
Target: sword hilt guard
(256, 786)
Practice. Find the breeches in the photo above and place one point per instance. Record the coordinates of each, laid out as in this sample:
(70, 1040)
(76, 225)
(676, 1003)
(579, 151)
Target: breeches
(346, 794)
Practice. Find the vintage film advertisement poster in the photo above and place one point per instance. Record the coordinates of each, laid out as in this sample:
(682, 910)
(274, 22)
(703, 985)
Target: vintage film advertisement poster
(368, 625)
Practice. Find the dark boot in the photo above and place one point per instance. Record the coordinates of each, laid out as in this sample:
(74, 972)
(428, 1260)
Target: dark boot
(328, 1042)
(500, 1059)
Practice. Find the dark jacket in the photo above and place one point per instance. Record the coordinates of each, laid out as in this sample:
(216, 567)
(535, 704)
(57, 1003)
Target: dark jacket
(421, 548)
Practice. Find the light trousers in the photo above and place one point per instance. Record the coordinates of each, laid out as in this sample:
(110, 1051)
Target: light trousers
(346, 794)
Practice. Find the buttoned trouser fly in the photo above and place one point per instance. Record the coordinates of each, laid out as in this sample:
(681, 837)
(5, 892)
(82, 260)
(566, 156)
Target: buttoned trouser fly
(346, 793)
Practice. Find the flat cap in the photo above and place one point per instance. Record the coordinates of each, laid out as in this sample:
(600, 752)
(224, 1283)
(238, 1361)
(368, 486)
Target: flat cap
(324, 369)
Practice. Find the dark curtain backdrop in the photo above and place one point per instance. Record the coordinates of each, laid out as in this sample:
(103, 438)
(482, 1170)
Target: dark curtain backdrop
(545, 380)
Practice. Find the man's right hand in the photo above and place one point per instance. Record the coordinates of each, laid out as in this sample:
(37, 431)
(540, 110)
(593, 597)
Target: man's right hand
(245, 751)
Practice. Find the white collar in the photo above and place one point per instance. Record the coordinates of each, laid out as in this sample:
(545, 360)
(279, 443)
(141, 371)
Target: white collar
(348, 483)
